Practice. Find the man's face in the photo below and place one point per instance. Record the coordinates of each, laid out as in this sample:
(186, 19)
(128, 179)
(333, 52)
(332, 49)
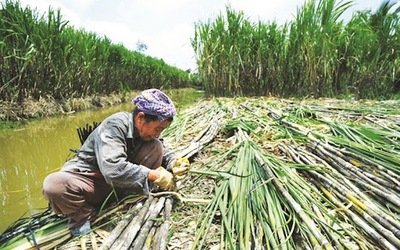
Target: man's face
(150, 130)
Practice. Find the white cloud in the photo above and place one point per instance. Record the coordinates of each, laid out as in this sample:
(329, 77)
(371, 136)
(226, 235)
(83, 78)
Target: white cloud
(280, 11)
(117, 32)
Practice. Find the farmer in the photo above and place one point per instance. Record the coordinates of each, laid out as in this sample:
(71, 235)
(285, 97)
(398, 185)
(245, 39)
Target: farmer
(123, 154)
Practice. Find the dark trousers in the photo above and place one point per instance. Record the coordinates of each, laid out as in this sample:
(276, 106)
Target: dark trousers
(79, 195)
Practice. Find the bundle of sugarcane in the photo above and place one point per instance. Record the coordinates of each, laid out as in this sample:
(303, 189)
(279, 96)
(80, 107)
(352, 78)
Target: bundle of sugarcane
(379, 223)
(141, 227)
(42, 230)
(85, 131)
(346, 173)
(194, 128)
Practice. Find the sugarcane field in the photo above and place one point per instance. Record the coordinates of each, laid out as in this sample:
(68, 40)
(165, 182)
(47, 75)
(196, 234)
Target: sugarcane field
(289, 132)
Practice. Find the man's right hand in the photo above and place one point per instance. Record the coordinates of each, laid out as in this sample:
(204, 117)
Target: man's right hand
(165, 180)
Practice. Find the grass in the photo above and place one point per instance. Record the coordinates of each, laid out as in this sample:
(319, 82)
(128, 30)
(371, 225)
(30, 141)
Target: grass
(185, 97)
(8, 125)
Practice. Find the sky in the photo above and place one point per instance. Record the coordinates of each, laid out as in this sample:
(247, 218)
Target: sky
(166, 27)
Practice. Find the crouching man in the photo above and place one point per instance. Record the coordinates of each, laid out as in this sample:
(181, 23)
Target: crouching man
(123, 154)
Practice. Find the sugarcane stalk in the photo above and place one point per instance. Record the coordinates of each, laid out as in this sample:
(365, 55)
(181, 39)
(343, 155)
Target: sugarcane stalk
(350, 186)
(368, 229)
(207, 135)
(129, 233)
(181, 197)
(382, 180)
(387, 173)
(306, 132)
(297, 158)
(387, 222)
(379, 190)
(389, 235)
(118, 208)
(382, 218)
(155, 241)
(296, 206)
(93, 240)
(372, 179)
(163, 230)
(150, 239)
(330, 163)
(146, 227)
(83, 242)
(363, 203)
(55, 242)
(117, 231)
(317, 211)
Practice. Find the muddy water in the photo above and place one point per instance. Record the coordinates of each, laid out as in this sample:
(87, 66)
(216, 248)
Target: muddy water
(30, 153)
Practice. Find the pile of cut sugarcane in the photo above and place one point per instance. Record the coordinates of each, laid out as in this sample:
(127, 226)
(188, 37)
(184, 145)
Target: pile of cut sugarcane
(322, 174)
(270, 174)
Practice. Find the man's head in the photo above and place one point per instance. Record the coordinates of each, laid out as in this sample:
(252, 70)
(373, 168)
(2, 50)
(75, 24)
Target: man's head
(153, 113)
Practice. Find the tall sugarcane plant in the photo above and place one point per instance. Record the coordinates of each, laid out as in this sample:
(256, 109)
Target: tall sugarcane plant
(41, 54)
(315, 54)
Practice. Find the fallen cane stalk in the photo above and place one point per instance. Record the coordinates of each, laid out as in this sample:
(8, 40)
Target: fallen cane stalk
(314, 230)
(117, 231)
(130, 232)
(118, 208)
(361, 223)
(146, 227)
(355, 196)
(149, 239)
(93, 240)
(163, 231)
(181, 198)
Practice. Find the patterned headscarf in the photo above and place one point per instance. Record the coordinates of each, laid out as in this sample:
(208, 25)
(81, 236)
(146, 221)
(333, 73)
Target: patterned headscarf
(155, 102)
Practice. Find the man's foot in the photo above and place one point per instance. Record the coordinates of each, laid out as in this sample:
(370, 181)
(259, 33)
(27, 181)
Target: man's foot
(81, 230)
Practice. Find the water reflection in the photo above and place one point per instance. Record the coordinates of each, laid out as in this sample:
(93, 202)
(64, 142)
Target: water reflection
(29, 154)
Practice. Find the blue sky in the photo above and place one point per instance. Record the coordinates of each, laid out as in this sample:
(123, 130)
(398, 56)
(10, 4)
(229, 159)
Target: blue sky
(166, 27)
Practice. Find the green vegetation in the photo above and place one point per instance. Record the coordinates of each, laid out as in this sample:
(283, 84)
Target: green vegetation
(43, 56)
(315, 55)
(7, 125)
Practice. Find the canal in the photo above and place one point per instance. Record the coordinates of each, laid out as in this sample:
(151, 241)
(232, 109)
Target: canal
(28, 154)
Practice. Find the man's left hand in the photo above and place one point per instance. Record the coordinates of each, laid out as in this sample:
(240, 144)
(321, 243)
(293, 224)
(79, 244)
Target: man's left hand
(180, 167)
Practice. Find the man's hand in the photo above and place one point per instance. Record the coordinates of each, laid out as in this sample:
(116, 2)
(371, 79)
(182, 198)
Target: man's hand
(165, 180)
(180, 167)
